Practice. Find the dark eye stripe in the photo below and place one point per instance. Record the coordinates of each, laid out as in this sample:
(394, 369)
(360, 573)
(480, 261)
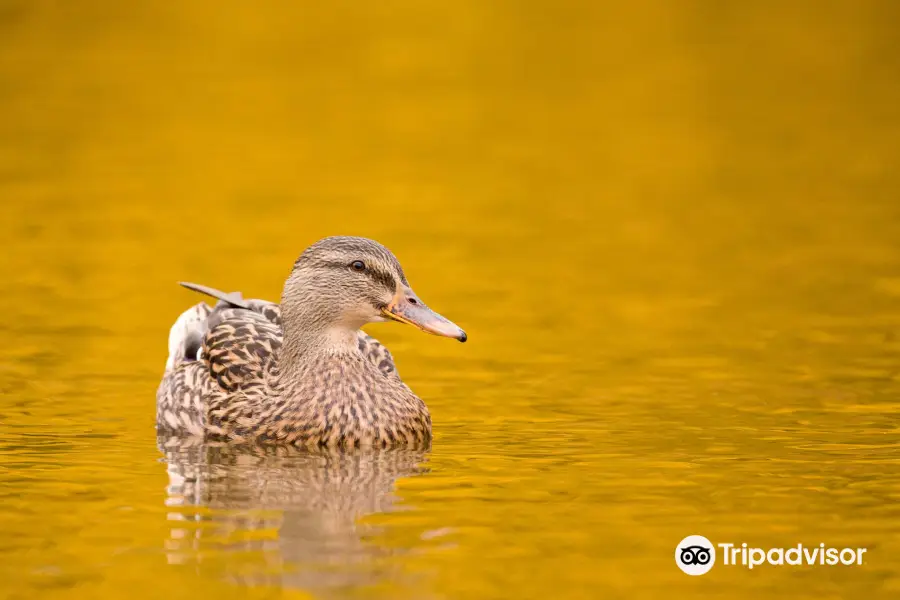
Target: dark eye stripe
(385, 279)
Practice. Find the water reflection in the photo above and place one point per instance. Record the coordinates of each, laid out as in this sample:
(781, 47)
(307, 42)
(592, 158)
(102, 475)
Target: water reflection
(281, 516)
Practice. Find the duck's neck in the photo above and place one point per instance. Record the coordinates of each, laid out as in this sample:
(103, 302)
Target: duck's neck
(308, 334)
(301, 345)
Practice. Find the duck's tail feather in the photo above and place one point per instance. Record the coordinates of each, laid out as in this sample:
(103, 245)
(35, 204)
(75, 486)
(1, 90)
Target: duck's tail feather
(233, 298)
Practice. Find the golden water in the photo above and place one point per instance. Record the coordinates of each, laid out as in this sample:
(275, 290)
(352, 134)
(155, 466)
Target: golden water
(671, 230)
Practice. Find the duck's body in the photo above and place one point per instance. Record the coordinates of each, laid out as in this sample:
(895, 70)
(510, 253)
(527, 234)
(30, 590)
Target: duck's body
(301, 372)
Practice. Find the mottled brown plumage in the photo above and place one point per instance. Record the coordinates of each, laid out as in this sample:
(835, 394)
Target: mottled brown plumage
(301, 372)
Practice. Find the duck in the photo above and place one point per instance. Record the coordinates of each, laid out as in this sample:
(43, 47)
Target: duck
(301, 372)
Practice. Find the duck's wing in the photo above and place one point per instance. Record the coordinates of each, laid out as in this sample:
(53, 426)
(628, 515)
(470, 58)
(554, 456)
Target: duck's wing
(240, 347)
(219, 357)
(229, 376)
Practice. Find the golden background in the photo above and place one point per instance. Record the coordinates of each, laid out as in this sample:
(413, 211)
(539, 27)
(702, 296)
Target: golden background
(671, 230)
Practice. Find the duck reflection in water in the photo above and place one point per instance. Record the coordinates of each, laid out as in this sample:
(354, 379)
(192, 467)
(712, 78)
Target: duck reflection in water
(281, 516)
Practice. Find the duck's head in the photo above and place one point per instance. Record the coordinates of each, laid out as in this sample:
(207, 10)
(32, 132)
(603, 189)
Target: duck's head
(342, 283)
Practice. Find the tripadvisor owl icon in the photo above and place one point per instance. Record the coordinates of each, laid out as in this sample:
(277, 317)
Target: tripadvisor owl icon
(695, 555)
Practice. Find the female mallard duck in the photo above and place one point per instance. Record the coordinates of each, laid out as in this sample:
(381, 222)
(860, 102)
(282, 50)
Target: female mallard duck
(301, 373)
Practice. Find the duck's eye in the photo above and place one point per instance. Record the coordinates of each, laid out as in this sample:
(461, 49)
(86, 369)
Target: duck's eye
(358, 265)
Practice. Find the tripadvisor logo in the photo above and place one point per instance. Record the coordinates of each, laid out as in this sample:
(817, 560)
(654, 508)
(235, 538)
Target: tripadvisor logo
(696, 555)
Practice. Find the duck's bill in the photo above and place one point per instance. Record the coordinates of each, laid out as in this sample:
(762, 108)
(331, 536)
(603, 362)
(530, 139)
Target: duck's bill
(412, 311)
